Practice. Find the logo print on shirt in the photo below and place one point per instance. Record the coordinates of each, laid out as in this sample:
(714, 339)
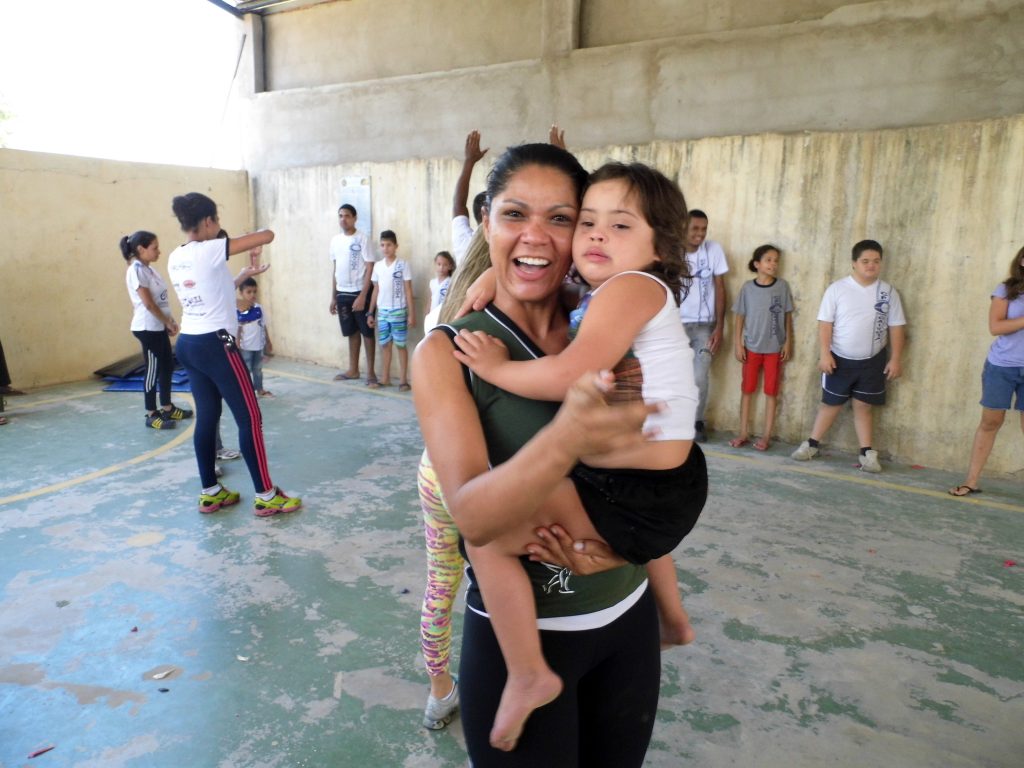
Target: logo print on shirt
(560, 580)
(189, 283)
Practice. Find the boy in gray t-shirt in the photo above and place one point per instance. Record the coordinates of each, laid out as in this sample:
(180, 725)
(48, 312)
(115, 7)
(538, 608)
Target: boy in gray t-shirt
(764, 324)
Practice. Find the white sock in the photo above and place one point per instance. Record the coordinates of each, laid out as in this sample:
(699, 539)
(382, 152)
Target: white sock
(268, 495)
(213, 490)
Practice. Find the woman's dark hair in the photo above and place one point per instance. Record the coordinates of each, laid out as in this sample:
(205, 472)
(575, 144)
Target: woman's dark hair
(546, 155)
(759, 253)
(664, 207)
(192, 209)
(1015, 282)
(130, 244)
(247, 283)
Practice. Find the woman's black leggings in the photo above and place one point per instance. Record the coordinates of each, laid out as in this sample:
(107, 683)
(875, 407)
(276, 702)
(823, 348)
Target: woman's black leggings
(217, 373)
(156, 348)
(605, 714)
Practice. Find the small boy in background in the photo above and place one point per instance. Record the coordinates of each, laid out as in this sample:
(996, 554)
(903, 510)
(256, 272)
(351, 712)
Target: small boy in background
(861, 336)
(253, 338)
(395, 310)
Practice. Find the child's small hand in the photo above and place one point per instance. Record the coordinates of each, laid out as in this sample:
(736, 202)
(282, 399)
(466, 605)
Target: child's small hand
(741, 353)
(827, 363)
(786, 352)
(411, 321)
(480, 352)
(480, 293)
(893, 370)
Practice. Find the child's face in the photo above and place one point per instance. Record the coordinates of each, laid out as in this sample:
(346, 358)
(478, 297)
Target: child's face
(150, 253)
(867, 267)
(441, 267)
(249, 294)
(389, 249)
(347, 221)
(769, 264)
(612, 235)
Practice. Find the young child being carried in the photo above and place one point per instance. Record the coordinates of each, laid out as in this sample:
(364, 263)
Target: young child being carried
(764, 339)
(628, 247)
(253, 337)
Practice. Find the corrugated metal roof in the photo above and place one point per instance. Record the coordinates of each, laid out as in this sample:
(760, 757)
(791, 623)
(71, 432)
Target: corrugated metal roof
(263, 7)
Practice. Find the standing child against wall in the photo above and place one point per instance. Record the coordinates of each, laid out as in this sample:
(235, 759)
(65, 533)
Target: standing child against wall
(763, 339)
(253, 337)
(444, 267)
(396, 311)
(861, 335)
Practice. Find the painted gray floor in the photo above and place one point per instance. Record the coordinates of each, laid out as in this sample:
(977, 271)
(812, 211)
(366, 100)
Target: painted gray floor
(842, 619)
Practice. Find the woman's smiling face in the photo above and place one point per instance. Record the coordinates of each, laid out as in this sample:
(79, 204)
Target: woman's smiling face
(529, 229)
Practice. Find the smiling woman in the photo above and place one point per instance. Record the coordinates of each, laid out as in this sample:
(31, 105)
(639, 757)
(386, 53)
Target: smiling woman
(115, 95)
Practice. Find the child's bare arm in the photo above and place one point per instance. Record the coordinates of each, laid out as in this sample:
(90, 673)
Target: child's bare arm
(787, 348)
(738, 349)
(826, 363)
(410, 304)
(613, 319)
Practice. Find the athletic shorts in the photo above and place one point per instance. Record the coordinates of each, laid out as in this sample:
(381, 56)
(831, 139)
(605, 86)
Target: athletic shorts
(772, 364)
(1000, 386)
(350, 319)
(862, 380)
(391, 326)
(644, 513)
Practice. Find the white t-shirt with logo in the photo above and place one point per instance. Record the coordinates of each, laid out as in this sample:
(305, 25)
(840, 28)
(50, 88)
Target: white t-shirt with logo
(705, 264)
(350, 254)
(144, 276)
(391, 280)
(860, 316)
(205, 286)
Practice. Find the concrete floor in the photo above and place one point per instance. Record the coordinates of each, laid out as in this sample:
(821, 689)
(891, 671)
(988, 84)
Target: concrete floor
(842, 619)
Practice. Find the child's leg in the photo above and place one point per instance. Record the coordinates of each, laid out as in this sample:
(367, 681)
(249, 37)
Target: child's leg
(444, 574)
(770, 404)
(385, 368)
(744, 416)
(256, 367)
(824, 420)
(862, 422)
(508, 597)
(672, 616)
(772, 375)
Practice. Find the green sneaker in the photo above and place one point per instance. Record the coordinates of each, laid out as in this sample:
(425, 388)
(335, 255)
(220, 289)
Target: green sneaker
(280, 503)
(212, 502)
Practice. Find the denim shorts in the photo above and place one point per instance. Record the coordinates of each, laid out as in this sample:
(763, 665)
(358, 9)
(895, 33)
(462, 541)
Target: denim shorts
(998, 386)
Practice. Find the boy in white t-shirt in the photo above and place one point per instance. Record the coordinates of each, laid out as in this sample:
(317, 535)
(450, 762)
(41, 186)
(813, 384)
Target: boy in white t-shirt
(350, 292)
(395, 310)
(861, 333)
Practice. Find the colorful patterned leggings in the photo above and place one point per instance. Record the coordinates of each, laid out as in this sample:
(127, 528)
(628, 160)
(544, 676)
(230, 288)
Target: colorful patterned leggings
(444, 571)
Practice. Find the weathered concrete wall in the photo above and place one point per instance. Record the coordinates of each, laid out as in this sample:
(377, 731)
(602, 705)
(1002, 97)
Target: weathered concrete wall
(64, 308)
(947, 202)
(861, 66)
(374, 39)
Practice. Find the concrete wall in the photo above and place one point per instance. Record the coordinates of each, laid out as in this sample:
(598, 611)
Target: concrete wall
(947, 202)
(727, 69)
(373, 39)
(64, 307)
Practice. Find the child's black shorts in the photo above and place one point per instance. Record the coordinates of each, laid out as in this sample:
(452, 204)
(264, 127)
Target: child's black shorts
(862, 380)
(644, 513)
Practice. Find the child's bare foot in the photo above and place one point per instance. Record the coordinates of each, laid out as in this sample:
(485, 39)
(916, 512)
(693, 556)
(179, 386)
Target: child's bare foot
(265, 393)
(676, 630)
(522, 695)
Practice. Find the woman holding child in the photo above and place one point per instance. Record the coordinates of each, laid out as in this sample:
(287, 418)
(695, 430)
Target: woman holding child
(498, 456)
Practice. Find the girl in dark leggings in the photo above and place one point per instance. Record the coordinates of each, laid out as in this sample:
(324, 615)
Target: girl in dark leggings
(153, 325)
(207, 348)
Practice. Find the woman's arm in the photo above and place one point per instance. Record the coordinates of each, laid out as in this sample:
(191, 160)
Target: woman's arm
(615, 316)
(249, 242)
(998, 323)
(488, 502)
(167, 321)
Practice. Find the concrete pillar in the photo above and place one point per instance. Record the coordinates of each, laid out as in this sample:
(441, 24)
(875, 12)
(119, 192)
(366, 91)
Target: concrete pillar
(561, 27)
(257, 52)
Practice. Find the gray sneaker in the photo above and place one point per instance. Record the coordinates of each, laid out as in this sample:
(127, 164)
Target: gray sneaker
(439, 712)
(869, 462)
(804, 453)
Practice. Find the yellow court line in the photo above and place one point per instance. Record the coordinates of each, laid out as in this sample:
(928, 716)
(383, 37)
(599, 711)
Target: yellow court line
(171, 444)
(870, 482)
(61, 399)
(331, 382)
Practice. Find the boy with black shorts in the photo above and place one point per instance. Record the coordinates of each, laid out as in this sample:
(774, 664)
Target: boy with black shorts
(861, 333)
(350, 292)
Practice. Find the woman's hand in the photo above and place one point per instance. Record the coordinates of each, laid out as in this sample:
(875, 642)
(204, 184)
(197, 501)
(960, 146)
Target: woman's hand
(479, 294)
(482, 353)
(587, 425)
(555, 545)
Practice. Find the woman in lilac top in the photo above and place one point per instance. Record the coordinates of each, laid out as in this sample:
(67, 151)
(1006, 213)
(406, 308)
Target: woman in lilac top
(1002, 378)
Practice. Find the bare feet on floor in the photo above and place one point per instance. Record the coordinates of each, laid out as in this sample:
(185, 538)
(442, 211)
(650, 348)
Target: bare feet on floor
(522, 695)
